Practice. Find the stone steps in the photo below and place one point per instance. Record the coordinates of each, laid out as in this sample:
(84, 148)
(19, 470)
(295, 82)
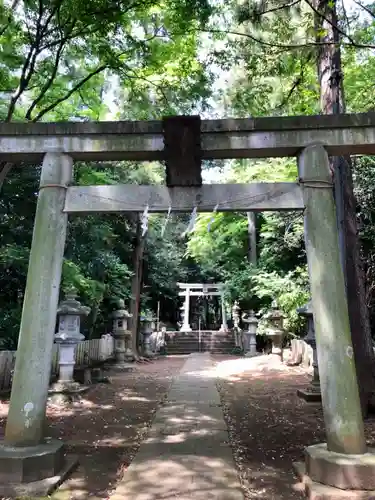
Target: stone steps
(207, 341)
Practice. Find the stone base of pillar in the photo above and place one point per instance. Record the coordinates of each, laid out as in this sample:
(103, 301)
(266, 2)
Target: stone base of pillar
(310, 395)
(33, 470)
(186, 328)
(223, 328)
(122, 366)
(150, 354)
(66, 392)
(328, 475)
(251, 354)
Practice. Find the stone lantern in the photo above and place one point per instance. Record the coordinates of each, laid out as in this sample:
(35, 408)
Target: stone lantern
(148, 327)
(250, 342)
(312, 393)
(69, 313)
(275, 331)
(123, 338)
(236, 323)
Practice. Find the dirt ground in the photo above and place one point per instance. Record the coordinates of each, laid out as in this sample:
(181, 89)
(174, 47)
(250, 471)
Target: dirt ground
(269, 426)
(107, 426)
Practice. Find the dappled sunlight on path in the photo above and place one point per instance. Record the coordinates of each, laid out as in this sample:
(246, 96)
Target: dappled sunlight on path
(176, 413)
(257, 366)
(186, 454)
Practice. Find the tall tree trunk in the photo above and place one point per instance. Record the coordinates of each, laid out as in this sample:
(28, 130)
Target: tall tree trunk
(332, 101)
(136, 286)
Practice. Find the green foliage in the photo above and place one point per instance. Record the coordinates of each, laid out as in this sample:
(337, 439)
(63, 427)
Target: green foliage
(291, 290)
(60, 59)
(281, 268)
(87, 61)
(74, 60)
(364, 179)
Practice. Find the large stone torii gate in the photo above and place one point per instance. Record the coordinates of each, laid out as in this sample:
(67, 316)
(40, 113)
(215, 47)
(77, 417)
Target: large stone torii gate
(182, 142)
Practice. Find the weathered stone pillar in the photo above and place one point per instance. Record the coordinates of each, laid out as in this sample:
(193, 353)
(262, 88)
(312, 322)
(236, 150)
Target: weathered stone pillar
(312, 393)
(26, 419)
(250, 339)
(123, 338)
(338, 381)
(236, 324)
(342, 462)
(186, 325)
(68, 336)
(224, 324)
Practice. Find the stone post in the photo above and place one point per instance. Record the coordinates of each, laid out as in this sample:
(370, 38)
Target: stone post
(312, 393)
(37, 459)
(186, 309)
(250, 341)
(148, 327)
(338, 380)
(236, 323)
(224, 324)
(68, 336)
(123, 338)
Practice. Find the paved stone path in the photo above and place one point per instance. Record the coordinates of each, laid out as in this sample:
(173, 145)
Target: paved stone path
(186, 455)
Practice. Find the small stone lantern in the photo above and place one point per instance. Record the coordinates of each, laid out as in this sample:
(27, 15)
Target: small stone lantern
(236, 324)
(275, 331)
(250, 342)
(123, 338)
(69, 313)
(148, 327)
(312, 393)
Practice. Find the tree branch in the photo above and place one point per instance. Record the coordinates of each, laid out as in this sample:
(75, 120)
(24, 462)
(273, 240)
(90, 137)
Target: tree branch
(48, 83)
(372, 14)
(143, 78)
(334, 25)
(283, 46)
(281, 7)
(28, 66)
(71, 92)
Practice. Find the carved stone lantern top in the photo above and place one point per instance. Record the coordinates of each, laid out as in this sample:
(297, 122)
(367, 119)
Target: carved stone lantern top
(148, 323)
(306, 310)
(275, 318)
(72, 307)
(236, 307)
(120, 312)
(150, 318)
(249, 318)
(275, 313)
(69, 313)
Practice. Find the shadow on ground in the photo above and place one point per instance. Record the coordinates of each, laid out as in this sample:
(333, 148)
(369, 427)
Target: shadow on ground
(268, 425)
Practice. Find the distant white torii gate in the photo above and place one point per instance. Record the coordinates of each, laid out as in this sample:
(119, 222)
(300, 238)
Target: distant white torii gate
(201, 290)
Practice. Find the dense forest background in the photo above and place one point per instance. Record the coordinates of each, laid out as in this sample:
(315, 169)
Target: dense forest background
(120, 60)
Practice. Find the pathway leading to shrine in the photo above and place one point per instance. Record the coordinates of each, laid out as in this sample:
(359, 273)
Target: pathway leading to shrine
(186, 454)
